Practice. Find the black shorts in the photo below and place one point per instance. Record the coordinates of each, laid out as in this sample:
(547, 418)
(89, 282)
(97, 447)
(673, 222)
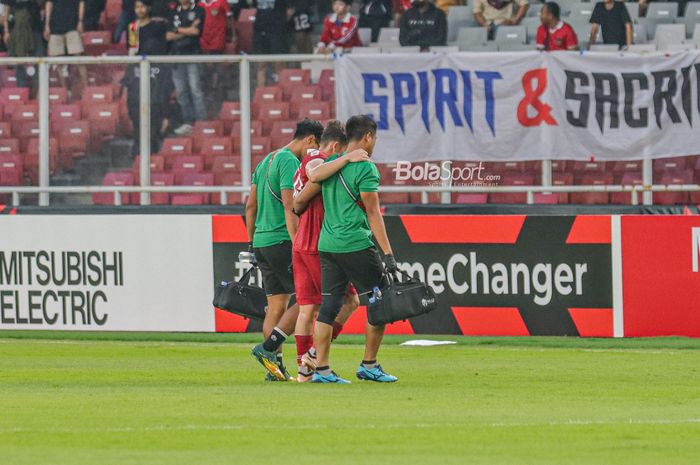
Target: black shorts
(275, 263)
(363, 269)
(266, 42)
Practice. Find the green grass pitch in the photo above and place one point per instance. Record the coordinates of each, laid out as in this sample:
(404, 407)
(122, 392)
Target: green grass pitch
(87, 398)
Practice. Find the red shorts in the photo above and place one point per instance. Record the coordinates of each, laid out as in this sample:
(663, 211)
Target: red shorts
(307, 278)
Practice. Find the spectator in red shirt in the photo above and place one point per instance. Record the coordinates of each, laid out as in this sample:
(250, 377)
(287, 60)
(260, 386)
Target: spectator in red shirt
(339, 29)
(213, 39)
(553, 33)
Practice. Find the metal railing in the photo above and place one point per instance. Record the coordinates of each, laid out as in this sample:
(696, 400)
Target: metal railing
(244, 62)
(530, 191)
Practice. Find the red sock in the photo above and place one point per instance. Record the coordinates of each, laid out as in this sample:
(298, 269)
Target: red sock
(304, 343)
(337, 328)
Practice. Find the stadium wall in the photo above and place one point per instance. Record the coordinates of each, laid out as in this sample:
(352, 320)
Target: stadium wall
(586, 275)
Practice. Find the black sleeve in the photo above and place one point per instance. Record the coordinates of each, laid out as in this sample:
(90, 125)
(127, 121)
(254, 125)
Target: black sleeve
(440, 37)
(403, 31)
(596, 15)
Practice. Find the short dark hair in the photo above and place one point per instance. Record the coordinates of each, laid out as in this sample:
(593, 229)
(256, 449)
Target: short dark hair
(308, 127)
(359, 126)
(145, 2)
(553, 8)
(334, 132)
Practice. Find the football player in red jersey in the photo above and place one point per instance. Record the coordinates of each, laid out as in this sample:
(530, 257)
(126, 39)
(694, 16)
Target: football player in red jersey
(305, 260)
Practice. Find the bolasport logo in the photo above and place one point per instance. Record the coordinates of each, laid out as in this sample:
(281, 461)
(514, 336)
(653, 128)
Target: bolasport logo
(444, 173)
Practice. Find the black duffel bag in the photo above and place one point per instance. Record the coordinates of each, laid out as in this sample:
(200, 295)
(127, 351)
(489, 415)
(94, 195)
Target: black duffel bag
(241, 298)
(400, 300)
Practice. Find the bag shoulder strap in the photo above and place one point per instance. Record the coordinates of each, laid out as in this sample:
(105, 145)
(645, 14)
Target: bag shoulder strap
(267, 177)
(354, 197)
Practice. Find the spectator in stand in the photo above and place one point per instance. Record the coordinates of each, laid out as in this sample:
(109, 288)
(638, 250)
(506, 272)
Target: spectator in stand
(3, 14)
(162, 9)
(93, 11)
(400, 7)
(614, 20)
(423, 25)
(553, 33)
(185, 29)
(150, 40)
(493, 13)
(375, 14)
(270, 33)
(64, 22)
(301, 25)
(22, 35)
(445, 5)
(213, 42)
(127, 16)
(339, 29)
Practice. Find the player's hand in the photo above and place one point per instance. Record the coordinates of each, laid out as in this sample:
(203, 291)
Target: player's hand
(390, 263)
(251, 251)
(357, 156)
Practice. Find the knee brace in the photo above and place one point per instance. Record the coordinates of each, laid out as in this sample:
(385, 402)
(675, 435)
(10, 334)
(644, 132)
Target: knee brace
(330, 307)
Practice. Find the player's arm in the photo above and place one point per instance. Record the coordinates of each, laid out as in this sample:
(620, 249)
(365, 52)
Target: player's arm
(376, 220)
(291, 219)
(302, 199)
(323, 171)
(251, 212)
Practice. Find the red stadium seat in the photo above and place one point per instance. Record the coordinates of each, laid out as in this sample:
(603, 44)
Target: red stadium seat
(256, 129)
(193, 179)
(114, 179)
(23, 114)
(104, 119)
(230, 113)
(5, 130)
(675, 164)
(64, 111)
(259, 147)
(208, 129)
(301, 94)
(227, 173)
(14, 95)
(545, 199)
(173, 147)
(282, 132)
(157, 198)
(513, 179)
(628, 179)
(244, 27)
(184, 165)
(583, 167)
(157, 163)
(97, 42)
(674, 177)
(294, 77)
(58, 95)
(267, 94)
(9, 147)
(593, 198)
(268, 113)
(504, 167)
(313, 110)
(563, 179)
(214, 147)
(73, 137)
(11, 170)
(97, 94)
(327, 84)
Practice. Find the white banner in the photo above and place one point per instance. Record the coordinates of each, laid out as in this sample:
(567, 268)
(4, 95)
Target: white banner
(106, 272)
(525, 106)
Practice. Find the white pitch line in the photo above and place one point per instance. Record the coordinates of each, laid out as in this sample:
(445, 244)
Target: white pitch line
(240, 427)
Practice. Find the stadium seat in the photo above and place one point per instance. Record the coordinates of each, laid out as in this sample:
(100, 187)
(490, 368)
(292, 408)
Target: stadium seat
(458, 16)
(256, 129)
(516, 47)
(365, 35)
(366, 50)
(114, 179)
(513, 179)
(268, 94)
(158, 198)
(227, 173)
(104, 119)
(96, 42)
(605, 48)
(215, 147)
(659, 13)
(193, 179)
(641, 48)
(204, 130)
(489, 47)
(5, 130)
(157, 163)
(327, 84)
(64, 112)
(531, 25)
(73, 137)
(662, 165)
(291, 77)
(389, 36)
(639, 34)
(578, 11)
(510, 35)
(402, 49)
(691, 17)
(11, 170)
(620, 168)
(302, 94)
(230, 113)
(187, 164)
(669, 34)
(589, 198)
(471, 36)
(97, 94)
(14, 95)
(173, 147)
(58, 95)
(674, 177)
(268, 113)
(562, 179)
(313, 110)
(447, 49)
(24, 113)
(259, 147)
(628, 179)
(9, 146)
(244, 27)
(282, 132)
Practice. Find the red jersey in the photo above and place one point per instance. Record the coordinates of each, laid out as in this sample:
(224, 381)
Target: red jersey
(311, 220)
(340, 33)
(213, 37)
(561, 37)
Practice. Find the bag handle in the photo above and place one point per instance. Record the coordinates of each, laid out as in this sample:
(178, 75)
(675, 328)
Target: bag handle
(245, 279)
